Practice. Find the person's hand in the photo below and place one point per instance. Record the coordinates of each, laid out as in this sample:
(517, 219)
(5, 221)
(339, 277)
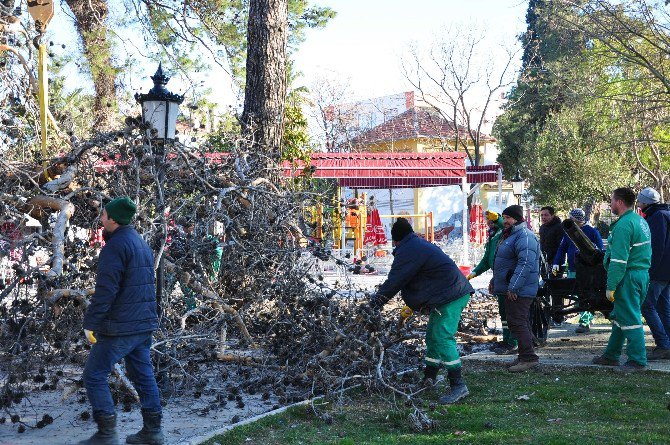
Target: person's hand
(555, 269)
(90, 337)
(609, 294)
(406, 312)
(471, 276)
(375, 302)
(512, 296)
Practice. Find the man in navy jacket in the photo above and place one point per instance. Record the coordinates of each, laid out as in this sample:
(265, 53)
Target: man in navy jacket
(656, 307)
(430, 281)
(119, 321)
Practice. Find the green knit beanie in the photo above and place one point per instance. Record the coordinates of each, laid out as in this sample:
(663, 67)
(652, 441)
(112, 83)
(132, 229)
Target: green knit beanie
(121, 210)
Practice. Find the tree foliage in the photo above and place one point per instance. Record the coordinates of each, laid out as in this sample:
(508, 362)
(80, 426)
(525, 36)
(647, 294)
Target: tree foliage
(588, 97)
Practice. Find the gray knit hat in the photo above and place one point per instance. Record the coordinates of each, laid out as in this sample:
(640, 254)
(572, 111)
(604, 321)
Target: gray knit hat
(649, 195)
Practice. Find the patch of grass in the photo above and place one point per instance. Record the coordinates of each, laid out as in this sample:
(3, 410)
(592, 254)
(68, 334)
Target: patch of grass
(585, 406)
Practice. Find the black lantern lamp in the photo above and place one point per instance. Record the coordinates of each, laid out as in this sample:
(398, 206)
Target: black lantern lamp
(160, 108)
(517, 186)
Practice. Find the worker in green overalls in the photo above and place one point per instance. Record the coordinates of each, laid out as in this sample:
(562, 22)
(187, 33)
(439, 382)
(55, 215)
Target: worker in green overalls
(495, 224)
(627, 260)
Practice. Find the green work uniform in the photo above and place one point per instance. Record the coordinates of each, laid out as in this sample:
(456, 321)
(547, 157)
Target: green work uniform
(627, 260)
(485, 264)
(440, 334)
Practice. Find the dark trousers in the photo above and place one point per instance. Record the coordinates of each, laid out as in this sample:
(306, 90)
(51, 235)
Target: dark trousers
(104, 354)
(518, 321)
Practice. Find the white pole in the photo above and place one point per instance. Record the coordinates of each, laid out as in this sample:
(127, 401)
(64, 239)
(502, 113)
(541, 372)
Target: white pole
(465, 261)
(343, 215)
(500, 209)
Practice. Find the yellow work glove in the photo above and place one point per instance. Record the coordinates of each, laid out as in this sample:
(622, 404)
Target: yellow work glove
(492, 216)
(471, 276)
(406, 312)
(609, 294)
(90, 337)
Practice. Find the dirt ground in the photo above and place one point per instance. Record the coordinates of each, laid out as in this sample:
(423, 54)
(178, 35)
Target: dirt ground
(187, 418)
(566, 348)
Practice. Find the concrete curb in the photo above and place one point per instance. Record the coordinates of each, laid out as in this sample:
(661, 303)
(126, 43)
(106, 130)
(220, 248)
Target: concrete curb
(196, 440)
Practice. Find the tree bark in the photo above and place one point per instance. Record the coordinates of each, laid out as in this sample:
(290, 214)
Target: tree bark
(91, 16)
(265, 91)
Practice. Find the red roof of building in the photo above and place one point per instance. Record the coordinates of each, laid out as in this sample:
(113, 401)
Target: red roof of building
(417, 122)
(395, 170)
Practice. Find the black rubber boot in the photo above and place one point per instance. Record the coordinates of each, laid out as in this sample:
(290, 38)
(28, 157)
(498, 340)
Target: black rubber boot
(457, 388)
(430, 372)
(106, 434)
(151, 433)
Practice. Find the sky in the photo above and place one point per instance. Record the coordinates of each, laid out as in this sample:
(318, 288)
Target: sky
(366, 41)
(362, 46)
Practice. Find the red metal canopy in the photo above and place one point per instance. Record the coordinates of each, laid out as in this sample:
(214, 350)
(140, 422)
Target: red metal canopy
(396, 170)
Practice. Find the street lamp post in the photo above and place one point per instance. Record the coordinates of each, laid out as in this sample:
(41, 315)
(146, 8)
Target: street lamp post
(517, 186)
(160, 109)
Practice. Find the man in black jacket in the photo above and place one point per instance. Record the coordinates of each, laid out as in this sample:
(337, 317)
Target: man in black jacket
(551, 235)
(119, 322)
(430, 281)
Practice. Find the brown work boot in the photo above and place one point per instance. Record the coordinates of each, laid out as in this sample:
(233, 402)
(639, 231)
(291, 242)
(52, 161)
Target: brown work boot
(523, 366)
(605, 361)
(512, 363)
(659, 354)
(630, 366)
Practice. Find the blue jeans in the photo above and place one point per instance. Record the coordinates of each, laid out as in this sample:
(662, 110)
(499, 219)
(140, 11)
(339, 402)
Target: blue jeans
(106, 352)
(656, 310)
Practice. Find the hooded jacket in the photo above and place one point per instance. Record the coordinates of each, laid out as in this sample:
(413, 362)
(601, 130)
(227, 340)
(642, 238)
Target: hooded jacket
(124, 302)
(658, 218)
(426, 275)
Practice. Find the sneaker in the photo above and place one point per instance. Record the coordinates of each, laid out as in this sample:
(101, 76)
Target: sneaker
(605, 361)
(631, 366)
(506, 349)
(454, 395)
(523, 366)
(659, 354)
(582, 329)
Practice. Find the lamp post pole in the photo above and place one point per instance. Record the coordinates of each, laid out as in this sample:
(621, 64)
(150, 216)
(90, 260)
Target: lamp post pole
(160, 109)
(42, 12)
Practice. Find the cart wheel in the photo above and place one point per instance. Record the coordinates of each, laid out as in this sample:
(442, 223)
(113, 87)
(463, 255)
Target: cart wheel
(540, 314)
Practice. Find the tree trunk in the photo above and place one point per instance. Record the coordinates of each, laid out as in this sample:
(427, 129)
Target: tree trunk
(265, 92)
(91, 16)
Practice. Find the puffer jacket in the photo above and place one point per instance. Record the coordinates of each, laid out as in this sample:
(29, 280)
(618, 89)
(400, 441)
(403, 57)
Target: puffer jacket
(124, 302)
(516, 266)
(658, 218)
(426, 275)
